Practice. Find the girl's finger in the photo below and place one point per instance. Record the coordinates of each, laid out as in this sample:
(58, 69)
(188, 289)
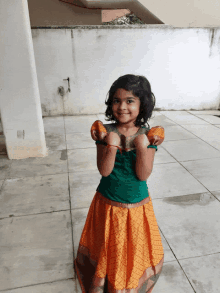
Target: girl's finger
(94, 135)
(102, 135)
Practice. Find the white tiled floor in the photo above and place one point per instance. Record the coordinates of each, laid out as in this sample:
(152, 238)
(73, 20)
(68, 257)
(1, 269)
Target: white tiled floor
(44, 203)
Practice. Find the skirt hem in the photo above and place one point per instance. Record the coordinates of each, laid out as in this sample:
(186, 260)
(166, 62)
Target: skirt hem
(102, 285)
(120, 250)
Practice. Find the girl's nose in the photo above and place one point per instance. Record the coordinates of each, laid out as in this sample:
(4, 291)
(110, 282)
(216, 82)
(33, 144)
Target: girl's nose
(122, 105)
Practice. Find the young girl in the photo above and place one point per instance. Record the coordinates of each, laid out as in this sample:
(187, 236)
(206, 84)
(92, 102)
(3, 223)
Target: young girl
(120, 246)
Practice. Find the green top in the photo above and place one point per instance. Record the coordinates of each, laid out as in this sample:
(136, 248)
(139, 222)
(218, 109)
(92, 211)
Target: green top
(123, 185)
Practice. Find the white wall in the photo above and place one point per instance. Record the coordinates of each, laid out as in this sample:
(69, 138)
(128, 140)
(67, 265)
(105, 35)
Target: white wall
(20, 102)
(182, 65)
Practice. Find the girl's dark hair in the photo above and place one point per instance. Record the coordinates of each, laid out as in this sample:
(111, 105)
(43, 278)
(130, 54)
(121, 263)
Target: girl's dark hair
(141, 88)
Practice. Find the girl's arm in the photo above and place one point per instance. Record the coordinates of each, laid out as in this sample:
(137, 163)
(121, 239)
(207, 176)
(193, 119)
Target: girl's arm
(106, 156)
(105, 159)
(144, 157)
(144, 162)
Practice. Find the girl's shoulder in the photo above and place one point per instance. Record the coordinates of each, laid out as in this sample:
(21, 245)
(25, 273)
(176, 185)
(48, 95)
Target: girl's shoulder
(110, 127)
(144, 129)
(147, 127)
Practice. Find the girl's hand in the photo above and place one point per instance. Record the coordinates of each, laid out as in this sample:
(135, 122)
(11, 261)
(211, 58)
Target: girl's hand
(157, 140)
(112, 138)
(141, 141)
(97, 135)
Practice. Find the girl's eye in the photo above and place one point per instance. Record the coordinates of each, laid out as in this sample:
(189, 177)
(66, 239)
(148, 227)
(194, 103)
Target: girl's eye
(115, 101)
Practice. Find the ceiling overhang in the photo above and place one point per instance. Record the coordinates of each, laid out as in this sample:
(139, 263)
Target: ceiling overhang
(134, 6)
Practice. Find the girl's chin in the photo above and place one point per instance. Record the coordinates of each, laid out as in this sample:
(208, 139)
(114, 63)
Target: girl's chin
(123, 116)
(123, 120)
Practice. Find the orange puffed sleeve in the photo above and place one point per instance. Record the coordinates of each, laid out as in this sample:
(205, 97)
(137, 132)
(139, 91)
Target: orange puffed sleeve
(98, 130)
(156, 132)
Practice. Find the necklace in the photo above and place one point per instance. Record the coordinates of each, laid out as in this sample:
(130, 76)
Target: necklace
(127, 135)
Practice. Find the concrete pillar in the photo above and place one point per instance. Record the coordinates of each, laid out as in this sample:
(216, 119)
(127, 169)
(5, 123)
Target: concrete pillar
(20, 105)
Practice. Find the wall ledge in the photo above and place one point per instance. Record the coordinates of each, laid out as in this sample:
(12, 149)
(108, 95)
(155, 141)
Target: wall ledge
(131, 26)
(138, 26)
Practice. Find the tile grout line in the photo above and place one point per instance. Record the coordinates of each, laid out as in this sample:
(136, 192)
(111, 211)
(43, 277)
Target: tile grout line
(199, 256)
(191, 132)
(189, 171)
(71, 218)
(73, 249)
(205, 120)
(205, 188)
(35, 214)
(32, 285)
(50, 174)
(178, 261)
(201, 138)
(193, 124)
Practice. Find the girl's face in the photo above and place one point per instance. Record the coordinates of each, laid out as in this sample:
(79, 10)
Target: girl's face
(125, 107)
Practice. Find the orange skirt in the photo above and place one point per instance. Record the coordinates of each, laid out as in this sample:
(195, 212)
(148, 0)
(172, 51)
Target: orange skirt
(120, 248)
